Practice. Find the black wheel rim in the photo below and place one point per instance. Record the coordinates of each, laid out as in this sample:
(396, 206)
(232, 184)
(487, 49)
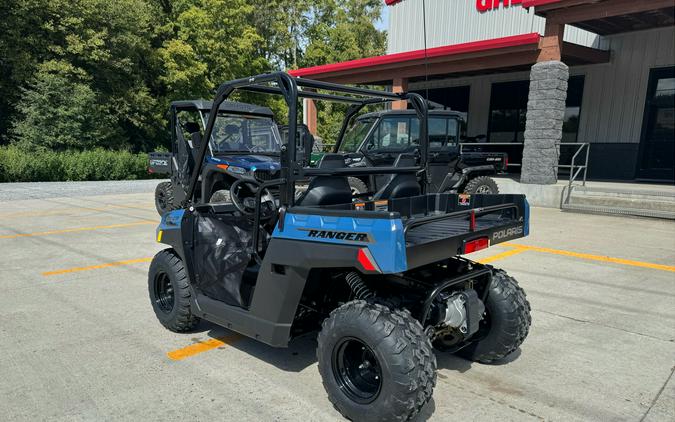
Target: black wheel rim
(484, 189)
(164, 296)
(357, 370)
(161, 200)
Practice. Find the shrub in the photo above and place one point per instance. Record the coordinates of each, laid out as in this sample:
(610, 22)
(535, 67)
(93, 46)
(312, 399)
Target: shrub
(20, 165)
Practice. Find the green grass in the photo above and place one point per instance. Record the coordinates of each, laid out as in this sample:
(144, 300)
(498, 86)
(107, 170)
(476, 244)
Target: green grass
(19, 165)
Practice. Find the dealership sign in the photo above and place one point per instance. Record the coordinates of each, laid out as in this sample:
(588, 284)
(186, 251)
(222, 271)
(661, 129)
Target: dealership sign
(485, 5)
(481, 5)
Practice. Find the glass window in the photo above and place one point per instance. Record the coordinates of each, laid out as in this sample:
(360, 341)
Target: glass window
(355, 134)
(396, 133)
(455, 98)
(233, 133)
(575, 91)
(438, 132)
(442, 132)
(508, 110)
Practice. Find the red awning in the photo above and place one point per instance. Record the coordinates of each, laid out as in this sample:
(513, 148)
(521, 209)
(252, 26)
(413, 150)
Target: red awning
(411, 58)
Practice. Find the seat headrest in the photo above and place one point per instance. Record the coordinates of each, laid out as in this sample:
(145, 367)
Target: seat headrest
(191, 127)
(332, 161)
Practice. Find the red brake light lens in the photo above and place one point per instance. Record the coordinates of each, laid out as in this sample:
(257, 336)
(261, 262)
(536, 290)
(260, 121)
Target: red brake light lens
(476, 245)
(365, 261)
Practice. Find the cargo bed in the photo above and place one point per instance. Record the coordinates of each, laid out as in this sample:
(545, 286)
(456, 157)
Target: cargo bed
(439, 226)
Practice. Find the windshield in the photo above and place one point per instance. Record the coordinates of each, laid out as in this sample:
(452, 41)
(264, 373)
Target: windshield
(244, 134)
(356, 134)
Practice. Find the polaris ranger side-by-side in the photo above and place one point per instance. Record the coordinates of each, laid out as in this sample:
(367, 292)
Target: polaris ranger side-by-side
(383, 280)
(377, 139)
(244, 144)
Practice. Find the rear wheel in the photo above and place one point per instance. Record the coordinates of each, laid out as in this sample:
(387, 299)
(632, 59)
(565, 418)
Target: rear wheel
(357, 186)
(506, 323)
(164, 198)
(376, 363)
(482, 185)
(169, 292)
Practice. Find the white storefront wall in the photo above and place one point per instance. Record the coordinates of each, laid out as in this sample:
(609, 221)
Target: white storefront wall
(614, 93)
(460, 21)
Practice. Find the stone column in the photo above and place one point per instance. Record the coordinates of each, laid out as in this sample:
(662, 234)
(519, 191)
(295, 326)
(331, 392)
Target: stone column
(545, 114)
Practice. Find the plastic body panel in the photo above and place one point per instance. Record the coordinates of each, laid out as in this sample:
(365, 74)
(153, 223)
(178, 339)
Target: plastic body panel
(384, 238)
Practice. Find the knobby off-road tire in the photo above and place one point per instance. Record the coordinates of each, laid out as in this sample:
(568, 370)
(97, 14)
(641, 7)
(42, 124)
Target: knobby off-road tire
(357, 186)
(222, 196)
(507, 322)
(169, 292)
(389, 342)
(164, 198)
(482, 185)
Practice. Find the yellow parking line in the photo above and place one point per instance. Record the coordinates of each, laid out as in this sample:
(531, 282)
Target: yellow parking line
(70, 211)
(96, 267)
(77, 229)
(202, 346)
(592, 257)
(506, 254)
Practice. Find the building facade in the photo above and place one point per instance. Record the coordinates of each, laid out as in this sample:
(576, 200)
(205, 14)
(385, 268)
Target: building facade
(536, 78)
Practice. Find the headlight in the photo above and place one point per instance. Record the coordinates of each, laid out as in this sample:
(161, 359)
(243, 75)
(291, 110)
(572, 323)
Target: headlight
(236, 170)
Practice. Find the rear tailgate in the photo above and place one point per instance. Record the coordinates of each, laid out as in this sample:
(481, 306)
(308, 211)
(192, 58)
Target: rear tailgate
(456, 221)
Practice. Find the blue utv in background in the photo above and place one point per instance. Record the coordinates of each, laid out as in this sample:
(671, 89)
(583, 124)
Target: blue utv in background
(244, 145)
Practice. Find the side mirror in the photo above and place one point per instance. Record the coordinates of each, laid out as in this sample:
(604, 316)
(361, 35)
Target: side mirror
(196, 140)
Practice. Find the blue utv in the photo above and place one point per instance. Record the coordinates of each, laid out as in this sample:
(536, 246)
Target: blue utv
(384, 280)
(244, 144)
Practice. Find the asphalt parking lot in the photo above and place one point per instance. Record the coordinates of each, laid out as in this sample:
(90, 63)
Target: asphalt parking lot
(79, 340)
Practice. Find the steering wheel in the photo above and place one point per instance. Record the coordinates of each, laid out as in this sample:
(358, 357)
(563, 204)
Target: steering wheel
(268, 205)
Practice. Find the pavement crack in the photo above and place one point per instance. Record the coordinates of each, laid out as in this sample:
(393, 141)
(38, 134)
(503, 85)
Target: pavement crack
(585, 321)
(658, 395)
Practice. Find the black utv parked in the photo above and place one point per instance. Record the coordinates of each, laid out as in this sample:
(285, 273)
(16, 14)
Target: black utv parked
(378, 139)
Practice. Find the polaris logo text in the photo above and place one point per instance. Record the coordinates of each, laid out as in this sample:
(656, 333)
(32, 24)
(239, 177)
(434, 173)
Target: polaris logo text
(348, 236)
(502, 234)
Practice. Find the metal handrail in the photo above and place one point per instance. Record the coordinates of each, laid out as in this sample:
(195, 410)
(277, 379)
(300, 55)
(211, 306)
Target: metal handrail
(573, 174)
(575, 169)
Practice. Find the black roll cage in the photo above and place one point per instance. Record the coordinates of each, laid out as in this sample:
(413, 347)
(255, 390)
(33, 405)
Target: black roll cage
(288, 87)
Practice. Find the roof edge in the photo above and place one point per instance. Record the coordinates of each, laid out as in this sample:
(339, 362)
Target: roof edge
(448, 50)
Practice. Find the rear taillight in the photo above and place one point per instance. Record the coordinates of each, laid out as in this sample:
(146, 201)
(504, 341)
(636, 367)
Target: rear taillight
(506, 162)
(476, 245)
(366, 260)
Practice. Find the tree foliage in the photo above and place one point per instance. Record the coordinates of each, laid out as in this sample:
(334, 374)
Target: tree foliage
(79, 74)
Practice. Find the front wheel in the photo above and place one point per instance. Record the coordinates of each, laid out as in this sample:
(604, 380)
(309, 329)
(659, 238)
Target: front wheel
(170, 293)
(482, 185)
(222, 196)
(506, 322)
(376, 363)
(164, 198)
